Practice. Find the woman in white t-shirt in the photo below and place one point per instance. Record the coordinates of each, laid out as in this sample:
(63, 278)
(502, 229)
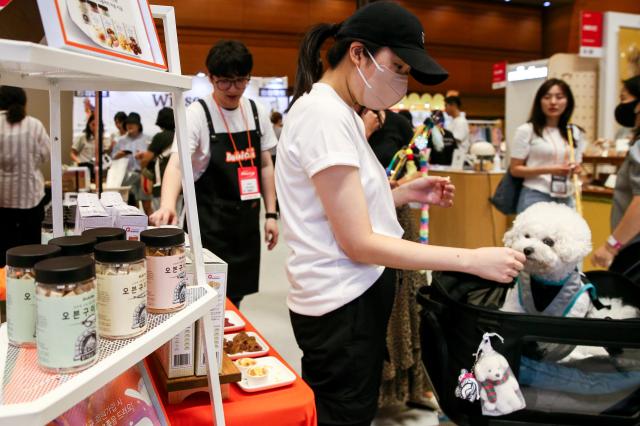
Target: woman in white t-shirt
(338, 209)
(540, 151)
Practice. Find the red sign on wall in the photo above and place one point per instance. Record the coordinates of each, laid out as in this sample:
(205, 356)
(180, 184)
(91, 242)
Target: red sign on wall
(591, 34)
(499, 80)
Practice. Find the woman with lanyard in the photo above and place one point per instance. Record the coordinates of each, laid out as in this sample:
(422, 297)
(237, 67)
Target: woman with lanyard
(338, 209)
(230, 137)
(540, 149)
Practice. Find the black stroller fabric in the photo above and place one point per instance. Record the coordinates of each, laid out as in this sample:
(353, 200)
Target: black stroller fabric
(460, 308)
(627, 263)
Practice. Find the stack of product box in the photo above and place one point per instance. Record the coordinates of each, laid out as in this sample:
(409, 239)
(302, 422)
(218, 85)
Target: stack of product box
(127, 217)
(184, 355)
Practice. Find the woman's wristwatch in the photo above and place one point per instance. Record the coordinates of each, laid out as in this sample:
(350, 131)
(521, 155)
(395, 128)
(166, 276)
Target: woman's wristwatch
(271, 216)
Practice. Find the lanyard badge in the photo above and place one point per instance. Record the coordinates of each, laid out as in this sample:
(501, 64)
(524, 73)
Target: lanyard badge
(248, 178)
(248, 183)
(559, 185)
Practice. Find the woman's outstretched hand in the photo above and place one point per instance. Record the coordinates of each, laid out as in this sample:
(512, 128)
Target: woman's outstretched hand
(433, 190)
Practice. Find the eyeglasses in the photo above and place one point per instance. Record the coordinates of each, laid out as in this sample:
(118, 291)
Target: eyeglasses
(225, 83)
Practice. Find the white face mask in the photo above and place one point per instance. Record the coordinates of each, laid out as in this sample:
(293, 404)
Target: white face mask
(384, 89)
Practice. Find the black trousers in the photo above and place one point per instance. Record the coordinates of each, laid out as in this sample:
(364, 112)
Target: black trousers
(343, 354)
(20, 227)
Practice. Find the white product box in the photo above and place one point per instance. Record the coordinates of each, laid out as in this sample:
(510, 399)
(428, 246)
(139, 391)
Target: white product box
(216, 275)
(176, 356)
(90, 213)
(109, 200)
(131, 219)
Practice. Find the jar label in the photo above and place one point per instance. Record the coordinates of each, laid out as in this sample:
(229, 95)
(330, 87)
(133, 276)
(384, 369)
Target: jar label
(66, 329)
(122, 302)
(21, 310)
(167, 279)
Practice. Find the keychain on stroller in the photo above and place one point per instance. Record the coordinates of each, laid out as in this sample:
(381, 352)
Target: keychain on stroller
(491, 380)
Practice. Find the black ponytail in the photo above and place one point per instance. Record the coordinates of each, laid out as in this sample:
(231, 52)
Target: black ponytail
(309, 61)
(14, 101)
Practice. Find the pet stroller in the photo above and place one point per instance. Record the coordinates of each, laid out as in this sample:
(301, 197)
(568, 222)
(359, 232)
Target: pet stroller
(596, 390)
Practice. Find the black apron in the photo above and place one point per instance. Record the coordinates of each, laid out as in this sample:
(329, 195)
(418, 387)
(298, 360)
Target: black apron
(230, 227)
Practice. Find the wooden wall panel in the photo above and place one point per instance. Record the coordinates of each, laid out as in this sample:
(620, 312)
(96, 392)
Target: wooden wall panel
(467, 37)
(480, 25)
(562, 25)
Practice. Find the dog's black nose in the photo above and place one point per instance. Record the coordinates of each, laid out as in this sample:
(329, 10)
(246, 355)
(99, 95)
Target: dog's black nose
(528, 251)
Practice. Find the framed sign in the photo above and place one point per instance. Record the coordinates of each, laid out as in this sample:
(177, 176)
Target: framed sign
(122, 30)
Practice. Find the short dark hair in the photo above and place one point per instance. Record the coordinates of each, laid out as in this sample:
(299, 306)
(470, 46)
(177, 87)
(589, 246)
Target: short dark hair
(453, 100)
(165, 119)
(120, 116)
(276, 117)
(633, 86)
(229, 58)
(14, 101)
(539, 120)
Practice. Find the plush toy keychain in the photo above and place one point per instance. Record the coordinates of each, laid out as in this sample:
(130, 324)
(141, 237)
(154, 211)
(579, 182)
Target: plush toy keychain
(491, 375)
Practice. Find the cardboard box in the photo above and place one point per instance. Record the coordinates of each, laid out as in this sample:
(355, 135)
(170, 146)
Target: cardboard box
(216, 275)
(176, 356)
(131, 219)
(90, 213)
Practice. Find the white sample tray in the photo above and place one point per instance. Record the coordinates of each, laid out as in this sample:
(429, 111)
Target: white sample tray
(264, 351)
(29, 395)
(279, 375)
(234, 318)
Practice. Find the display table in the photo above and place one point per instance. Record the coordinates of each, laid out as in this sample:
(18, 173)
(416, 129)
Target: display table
(291, 405)
(472, 222)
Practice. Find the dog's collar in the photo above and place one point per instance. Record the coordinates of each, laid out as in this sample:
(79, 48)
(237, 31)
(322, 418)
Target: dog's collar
(553, 283)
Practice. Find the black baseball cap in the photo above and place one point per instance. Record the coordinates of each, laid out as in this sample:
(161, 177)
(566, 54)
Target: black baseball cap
(386, 23)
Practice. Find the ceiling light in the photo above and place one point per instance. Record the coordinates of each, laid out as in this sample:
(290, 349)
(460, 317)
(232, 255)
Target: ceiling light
(546, 4)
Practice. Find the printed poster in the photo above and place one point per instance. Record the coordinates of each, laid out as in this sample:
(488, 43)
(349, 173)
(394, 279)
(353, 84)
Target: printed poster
(119, 29)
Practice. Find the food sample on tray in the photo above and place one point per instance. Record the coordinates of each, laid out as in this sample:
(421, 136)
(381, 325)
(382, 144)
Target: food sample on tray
(241, 342)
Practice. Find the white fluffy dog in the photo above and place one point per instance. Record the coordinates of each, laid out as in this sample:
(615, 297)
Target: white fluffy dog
(555, 239)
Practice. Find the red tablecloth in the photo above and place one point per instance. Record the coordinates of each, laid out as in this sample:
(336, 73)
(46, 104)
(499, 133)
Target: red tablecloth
(292, 405)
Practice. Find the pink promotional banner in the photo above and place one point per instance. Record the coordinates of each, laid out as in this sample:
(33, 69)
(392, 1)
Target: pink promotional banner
(499, 79)
(591, 34)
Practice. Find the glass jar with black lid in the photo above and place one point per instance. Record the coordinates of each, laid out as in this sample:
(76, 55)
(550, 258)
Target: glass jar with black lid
(121, 272)
(21, 291)
(166, 269)
(66, 337)
(75, 245)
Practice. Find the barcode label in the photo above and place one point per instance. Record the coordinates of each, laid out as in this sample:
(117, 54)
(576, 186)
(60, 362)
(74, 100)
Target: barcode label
(181, 360)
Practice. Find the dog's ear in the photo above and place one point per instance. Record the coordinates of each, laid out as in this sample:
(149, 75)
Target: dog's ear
(510, 237)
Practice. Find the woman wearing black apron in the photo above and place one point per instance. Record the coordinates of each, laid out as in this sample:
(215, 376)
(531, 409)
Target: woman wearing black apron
(229, 136)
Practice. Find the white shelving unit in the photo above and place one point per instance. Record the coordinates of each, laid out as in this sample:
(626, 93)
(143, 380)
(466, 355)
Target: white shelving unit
(37, 66)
